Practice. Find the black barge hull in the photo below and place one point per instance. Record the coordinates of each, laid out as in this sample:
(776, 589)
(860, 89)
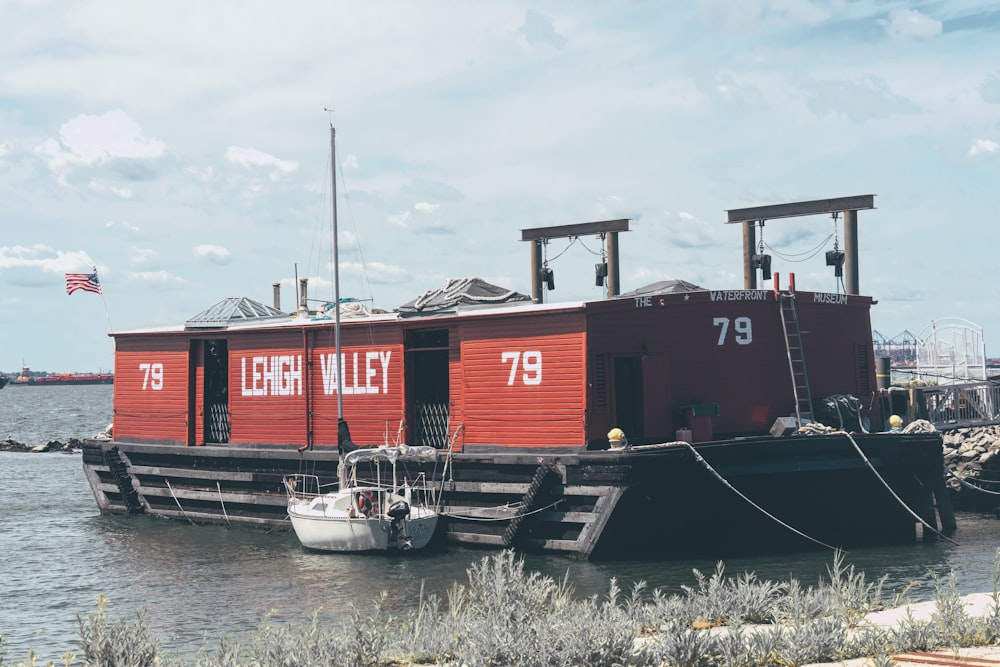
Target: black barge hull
(745, 496)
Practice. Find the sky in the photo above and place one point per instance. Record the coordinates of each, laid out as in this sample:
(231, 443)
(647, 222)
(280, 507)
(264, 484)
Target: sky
(182, 148)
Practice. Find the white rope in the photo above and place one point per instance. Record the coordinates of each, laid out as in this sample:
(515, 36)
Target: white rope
(178, 503)
(469, 517)
(919, 426)
(965, 482)
(760, 509)
(888, 488)
(222, 502)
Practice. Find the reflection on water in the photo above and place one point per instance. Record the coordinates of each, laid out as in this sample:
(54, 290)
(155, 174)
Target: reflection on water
(199, 582)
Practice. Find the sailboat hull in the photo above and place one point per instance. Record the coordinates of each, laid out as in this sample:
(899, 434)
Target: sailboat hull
(349, 534)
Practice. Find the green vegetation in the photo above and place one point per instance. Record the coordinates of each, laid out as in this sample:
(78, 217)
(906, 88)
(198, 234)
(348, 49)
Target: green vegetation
(507, 616)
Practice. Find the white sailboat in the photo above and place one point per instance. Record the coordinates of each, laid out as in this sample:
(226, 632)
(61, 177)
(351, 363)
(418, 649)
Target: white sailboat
(374, 515)
(366, 515)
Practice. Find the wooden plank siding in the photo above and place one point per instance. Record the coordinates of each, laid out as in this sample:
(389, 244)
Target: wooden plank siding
(151, 389)
(523, 380)
(373, 383)
(267, 385)
(283, 385)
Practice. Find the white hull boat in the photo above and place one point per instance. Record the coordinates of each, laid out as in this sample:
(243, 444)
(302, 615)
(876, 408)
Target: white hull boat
(370, 515)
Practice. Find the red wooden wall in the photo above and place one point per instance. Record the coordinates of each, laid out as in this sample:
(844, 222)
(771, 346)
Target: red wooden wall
(522, 380)
(726, 348)
(283, 385)
(151, 389)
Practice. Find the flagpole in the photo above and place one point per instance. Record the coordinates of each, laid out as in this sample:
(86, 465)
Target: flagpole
(107, 313)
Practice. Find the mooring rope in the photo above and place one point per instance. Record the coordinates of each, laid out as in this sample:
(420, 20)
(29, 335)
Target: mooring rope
(888, 488)
(178, 503)
(447, 471)
(919, 426)
(469, 517)
(966, 483)
(222, 502)
(698, 457)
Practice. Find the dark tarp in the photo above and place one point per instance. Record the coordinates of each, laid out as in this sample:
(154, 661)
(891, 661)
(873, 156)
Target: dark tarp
(663, 287)
(458, 293)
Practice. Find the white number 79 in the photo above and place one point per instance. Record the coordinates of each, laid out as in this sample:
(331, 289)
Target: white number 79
(530, 363)
(741, 325)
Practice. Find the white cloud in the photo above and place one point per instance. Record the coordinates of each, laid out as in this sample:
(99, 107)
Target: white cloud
(4, 150)
(911, 24)
(103, 187)
(91, 141)
(44, 258)
(251, 158)
(400, 219)
(156, 278)
(378, 272)
(426, 207)
(869, 97)
(140, 256)
(203, 175)
(750, 15)
(121, 224)
(213, 253)
(983, 146)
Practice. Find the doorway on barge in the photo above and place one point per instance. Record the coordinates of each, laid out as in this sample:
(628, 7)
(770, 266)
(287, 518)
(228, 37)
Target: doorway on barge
(216, 391)
(628, 397)
(427, 387)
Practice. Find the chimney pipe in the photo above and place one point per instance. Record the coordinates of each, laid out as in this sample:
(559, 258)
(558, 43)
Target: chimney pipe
(303, 295)
(276, 289)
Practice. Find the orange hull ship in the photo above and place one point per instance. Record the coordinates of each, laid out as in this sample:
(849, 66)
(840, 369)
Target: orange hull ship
(25, 378)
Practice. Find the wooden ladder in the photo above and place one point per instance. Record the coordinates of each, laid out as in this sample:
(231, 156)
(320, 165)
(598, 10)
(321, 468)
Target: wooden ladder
(796, 358)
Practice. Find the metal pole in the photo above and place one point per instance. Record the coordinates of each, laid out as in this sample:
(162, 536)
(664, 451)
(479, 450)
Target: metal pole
(749, 241)
(614, 275)
(536, 268)
(336, 280)
(851, 252)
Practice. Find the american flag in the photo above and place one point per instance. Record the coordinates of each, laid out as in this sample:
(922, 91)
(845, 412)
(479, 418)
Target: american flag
(88, 282)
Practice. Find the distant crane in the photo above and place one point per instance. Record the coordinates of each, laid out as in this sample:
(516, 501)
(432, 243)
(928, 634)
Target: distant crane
(901, 348)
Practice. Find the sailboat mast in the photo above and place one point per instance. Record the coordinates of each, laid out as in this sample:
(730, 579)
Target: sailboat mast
(336, 278)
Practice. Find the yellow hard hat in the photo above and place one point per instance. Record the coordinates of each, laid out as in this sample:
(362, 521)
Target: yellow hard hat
(895, 421)
(616, 434)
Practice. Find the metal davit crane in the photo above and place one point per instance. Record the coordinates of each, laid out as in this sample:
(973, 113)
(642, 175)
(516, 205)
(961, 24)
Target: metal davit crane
(759, 214)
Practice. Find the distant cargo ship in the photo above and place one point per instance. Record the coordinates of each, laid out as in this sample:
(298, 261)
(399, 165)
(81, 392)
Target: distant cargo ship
(25, 378)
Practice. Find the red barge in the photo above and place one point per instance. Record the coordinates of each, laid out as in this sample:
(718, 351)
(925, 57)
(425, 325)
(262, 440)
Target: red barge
(26, 379)
(209, 417)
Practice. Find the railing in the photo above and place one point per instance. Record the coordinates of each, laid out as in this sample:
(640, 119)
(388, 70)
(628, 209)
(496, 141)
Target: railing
(968, 404)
